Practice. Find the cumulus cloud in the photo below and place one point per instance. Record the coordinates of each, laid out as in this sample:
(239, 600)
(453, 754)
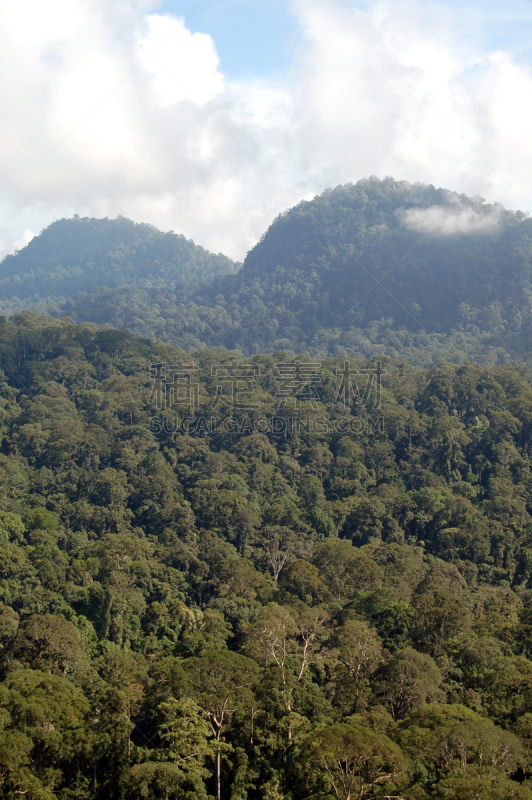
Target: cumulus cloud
(25, 239)
(184, 66)
(449, 220)
(123, 110)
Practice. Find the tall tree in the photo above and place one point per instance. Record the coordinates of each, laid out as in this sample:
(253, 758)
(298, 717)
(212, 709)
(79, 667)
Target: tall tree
(221, 683)
(350, 763)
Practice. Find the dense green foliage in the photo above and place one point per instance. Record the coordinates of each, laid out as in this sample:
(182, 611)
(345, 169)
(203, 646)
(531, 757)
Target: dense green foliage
(74, 255)
(351, 272)
(299, 615)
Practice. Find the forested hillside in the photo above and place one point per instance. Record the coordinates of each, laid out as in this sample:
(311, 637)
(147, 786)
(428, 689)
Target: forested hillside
(74, 255)
(269, 592)
(380, 267)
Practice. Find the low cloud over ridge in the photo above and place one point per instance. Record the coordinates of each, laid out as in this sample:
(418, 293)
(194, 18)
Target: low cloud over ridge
(449, 220)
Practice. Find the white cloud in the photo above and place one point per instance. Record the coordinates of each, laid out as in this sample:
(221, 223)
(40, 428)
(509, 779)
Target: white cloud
(446, 221)
(184, 66)
(25, 239)
(174, 142)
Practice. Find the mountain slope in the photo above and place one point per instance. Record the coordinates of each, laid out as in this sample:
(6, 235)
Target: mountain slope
(380, 266)
(73, 255)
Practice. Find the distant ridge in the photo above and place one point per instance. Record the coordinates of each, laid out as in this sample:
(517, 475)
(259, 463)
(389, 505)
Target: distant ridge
(73, 255)
(377, 267)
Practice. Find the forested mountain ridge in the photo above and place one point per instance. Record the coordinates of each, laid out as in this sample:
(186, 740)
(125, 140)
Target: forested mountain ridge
(183, 600)
(384, 267)
(74, 255)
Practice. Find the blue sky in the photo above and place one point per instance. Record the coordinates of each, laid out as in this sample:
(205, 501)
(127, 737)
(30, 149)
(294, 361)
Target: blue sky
(253, 37)
(257, 38)
(497, 26)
